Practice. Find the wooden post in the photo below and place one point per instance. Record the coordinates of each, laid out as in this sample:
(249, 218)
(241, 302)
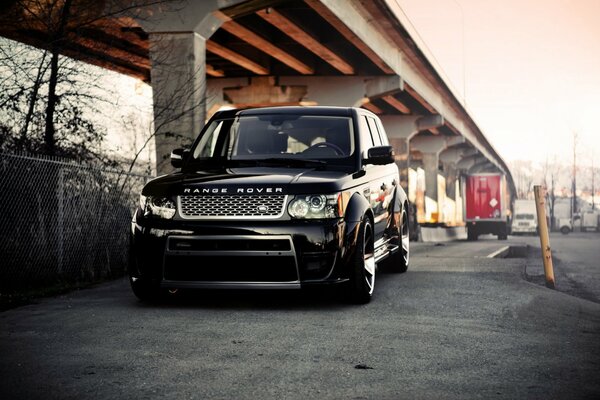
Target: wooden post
(540, 203)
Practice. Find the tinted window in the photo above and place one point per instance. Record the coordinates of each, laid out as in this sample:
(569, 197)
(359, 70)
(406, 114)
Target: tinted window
(384, 138)
(365, 133)
(374, 131)
(268, 136)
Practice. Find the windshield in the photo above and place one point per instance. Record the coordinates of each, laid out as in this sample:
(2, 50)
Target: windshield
(275, 137)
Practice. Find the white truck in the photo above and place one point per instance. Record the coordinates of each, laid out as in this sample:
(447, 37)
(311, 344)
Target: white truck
(590, 221)
(524, 217)
(565, 225)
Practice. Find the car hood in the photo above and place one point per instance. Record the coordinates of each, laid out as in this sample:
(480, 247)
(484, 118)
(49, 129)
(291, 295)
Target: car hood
(250, 180)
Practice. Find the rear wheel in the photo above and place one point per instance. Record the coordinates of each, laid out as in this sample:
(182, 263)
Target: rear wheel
(471, 233)
(362, 276)
(503, 235)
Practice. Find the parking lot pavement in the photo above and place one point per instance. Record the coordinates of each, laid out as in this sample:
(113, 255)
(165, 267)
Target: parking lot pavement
(456, 325)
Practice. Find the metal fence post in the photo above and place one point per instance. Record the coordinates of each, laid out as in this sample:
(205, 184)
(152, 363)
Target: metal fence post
(61, 217)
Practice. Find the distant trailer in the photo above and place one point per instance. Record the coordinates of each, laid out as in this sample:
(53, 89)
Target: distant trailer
(590, 221)
(487, 205)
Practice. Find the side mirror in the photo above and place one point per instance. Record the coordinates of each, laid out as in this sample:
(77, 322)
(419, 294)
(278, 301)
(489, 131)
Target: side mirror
(178, 156)
(380, 155)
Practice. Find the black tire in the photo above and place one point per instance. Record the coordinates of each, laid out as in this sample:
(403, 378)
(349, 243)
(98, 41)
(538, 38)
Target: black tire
(143, 288)
(471, 234)
(145, 291)
(362, 275)
(503, 234)
(398, 262)
(564, 230)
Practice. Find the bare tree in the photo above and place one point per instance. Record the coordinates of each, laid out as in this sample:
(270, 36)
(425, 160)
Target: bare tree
(46, 98)
(552, 170)
(523, 176)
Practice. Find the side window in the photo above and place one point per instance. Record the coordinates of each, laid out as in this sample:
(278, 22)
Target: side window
(374, 131)
(366, 141)
(206, 147)
(384, 138)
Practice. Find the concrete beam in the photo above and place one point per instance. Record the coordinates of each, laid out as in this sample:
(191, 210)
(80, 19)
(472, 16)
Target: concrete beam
(295, 32)
(482, 166)
(383, 85)
(406, 126)
(454, 154)
(434, 144)
(263, 91)
(343, 91)
(214, 92)
(202, 17)
(467, 162)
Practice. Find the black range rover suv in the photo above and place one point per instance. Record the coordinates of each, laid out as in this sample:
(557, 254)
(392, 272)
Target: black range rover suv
(280, 197)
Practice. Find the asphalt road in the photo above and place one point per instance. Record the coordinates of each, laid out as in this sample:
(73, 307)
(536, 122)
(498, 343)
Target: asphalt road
(456, 325)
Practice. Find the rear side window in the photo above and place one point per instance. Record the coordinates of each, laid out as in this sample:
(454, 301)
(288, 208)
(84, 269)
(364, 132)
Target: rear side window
(366, 138)
(374, 131)
(382, 134)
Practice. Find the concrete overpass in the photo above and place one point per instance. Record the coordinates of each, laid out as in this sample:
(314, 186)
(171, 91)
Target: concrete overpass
(202, 55)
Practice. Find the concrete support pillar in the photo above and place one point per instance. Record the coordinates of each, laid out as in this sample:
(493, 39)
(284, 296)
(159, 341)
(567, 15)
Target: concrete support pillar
(451, 174)
(400, 129)
(430, 148)
(178, 90)
(177, 43)
(449, 159)
(431, 167)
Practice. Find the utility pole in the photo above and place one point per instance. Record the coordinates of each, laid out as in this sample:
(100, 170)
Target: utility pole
(574, 184)
(593, 188)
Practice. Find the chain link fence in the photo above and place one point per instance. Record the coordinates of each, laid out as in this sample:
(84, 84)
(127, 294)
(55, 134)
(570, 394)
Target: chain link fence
(62, 223)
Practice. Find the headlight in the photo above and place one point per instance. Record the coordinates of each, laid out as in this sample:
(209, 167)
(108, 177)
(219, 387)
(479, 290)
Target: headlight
(157, 206)
(315, 206)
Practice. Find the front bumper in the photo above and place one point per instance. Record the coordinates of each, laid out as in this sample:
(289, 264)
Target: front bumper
(286, 254)
(523, 229)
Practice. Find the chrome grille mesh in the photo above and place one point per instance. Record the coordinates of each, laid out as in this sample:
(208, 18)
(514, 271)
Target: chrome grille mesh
(231, 206)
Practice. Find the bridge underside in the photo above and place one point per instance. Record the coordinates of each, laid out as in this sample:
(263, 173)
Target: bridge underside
(200, 56)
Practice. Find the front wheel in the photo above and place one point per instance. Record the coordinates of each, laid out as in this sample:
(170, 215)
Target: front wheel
(144, 290)
(362, 274)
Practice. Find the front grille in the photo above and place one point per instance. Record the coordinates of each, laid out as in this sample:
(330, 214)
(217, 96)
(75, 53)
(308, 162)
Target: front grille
(230, 268)
(247, 259)
(231, 206)
(220, 244)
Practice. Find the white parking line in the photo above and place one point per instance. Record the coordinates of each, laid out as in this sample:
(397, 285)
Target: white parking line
(500, 253)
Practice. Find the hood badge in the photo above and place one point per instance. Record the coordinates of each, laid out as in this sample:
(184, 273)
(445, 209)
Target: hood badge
(244, 190)
(262, 209)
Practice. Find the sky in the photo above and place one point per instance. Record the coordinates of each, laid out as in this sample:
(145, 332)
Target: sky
(531, 70)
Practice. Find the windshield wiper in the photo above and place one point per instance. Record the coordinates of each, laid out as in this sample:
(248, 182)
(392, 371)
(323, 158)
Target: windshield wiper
(292, 162)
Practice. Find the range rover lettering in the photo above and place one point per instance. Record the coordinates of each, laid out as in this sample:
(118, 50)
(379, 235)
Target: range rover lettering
(279, 197)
